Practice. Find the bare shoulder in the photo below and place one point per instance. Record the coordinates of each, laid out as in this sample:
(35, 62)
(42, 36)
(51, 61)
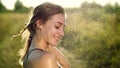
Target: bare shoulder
(49, 56)
(44, 60)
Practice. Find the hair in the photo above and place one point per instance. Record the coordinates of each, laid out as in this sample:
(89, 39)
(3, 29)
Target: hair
(44, 13)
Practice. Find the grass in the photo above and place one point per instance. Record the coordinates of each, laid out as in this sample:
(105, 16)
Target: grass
(11, 24)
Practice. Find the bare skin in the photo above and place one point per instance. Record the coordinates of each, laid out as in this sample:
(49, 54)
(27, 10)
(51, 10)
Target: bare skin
(46, 38)
(60, 57)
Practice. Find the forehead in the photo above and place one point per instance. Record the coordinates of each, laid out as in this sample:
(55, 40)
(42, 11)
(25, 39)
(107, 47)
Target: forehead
(58, 18)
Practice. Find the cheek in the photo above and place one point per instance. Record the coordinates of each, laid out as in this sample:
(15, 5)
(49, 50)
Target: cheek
(51, 36)
(51, 31)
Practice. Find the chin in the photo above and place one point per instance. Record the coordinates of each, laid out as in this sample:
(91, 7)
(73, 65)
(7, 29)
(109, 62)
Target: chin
(54, 44)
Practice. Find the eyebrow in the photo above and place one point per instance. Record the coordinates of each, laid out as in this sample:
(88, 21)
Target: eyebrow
(61, 23)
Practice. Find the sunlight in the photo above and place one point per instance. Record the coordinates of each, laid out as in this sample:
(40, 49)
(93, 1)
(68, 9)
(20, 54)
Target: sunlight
(8, 4)
(64, 3)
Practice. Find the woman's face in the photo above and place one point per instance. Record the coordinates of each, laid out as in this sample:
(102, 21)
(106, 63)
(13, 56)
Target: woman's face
(52, 30)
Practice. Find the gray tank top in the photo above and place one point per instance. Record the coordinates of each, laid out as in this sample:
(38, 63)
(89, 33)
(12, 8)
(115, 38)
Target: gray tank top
(26, 57)
(25, 65)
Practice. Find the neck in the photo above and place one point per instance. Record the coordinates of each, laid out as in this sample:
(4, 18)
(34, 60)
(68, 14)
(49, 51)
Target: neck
(39, 43)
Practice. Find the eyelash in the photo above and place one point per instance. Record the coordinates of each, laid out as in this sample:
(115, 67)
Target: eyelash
(56, 27)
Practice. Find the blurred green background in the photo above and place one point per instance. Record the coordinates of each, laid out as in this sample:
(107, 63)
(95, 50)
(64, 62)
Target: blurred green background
(92, 35)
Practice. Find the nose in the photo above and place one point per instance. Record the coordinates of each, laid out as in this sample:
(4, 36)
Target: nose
(61, 33)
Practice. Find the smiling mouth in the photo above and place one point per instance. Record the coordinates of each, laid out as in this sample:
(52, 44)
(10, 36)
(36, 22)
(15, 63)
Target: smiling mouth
(57, 39)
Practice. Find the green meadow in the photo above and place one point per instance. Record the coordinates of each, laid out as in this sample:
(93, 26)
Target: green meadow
(92, 36)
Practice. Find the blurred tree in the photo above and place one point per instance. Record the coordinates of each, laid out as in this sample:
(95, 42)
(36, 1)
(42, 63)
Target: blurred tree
(117, 12)
(92, 11)
(2, 7)
(87, 5)
(19, 7)
(117, 8)
(109, 8)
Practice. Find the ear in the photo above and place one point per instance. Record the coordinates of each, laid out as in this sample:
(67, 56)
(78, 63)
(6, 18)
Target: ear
(39, 24)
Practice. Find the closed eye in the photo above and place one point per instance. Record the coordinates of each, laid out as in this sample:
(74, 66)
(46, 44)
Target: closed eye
(57, 27)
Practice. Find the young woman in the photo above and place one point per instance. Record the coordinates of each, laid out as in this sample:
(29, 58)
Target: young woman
(46, 29)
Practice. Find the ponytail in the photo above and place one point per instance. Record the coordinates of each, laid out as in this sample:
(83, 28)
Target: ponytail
(27, 37)
(28, 45)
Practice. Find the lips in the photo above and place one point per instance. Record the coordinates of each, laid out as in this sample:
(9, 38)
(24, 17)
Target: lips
(56, 38)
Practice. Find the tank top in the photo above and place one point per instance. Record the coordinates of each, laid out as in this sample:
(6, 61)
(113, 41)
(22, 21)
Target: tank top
(26, 57)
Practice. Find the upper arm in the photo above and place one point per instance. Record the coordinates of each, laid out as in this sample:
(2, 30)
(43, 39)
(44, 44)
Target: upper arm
(60, 57)
(47, 60)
